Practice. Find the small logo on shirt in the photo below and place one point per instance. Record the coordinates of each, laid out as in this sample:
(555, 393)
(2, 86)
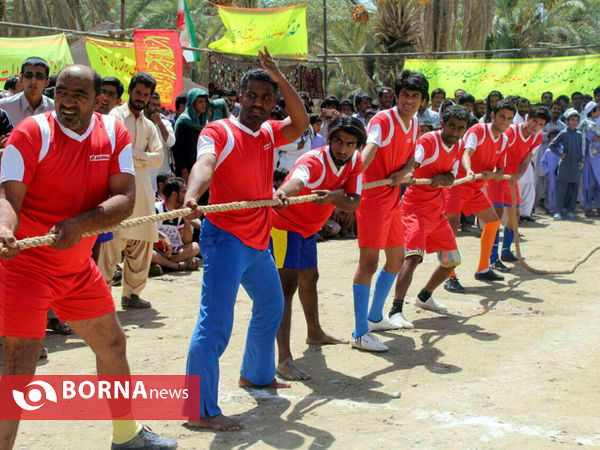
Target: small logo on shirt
(409, 140)
(268, 146)
(95, 158)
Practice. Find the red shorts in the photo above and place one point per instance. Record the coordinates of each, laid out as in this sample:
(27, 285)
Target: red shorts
(427, 234)
(26, 295)
(379, 228)
(499, 193)
(465, 198)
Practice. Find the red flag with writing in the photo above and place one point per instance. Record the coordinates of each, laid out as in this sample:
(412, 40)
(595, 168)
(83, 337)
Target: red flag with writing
(159, 53)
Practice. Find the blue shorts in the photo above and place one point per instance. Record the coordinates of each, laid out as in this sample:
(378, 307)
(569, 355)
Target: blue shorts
(292, 251)
(104, 237)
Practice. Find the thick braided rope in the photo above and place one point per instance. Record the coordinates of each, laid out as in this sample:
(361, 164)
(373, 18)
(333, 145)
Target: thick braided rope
(49, 239)
(575, 265)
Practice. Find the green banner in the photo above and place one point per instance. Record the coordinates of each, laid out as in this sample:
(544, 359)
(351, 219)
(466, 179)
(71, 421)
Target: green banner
(112, 59)
(282, 30)
(524, 77)
(13, 51)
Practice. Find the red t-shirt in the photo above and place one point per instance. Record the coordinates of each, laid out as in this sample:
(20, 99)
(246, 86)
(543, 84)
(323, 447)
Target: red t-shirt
(435, 158)
(489, 152)
(317, 171)
(396, 145)
(244, 171)
(518, 147)
(66, 174)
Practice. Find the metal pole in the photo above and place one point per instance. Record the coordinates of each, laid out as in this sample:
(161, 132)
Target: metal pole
(325, 74)
(122, 14)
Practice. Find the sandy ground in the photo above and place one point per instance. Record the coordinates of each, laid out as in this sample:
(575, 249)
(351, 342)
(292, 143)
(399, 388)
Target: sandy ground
(515, 364)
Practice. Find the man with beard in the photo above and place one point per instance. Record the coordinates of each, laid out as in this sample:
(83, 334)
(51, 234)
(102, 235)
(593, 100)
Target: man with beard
(235, 158)
(426, 228)
(485, 144)
(148, 153)
(294, 234)
(385, 97)
(71, 171)
(389, 153)
(112, 90)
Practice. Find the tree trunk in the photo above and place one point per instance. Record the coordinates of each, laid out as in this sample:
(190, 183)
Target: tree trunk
(478, 17)
(439, 26)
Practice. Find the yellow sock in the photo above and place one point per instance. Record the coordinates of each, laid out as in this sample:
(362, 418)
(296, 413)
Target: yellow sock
(125, 430)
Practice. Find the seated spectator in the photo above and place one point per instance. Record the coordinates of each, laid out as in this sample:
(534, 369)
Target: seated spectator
(479, 108)
(175, 249)
(385, 97)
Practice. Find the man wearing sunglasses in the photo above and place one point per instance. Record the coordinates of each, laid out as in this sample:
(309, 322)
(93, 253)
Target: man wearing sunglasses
(34, 75)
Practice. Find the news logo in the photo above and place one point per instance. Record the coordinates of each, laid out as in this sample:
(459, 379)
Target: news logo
(31, 400)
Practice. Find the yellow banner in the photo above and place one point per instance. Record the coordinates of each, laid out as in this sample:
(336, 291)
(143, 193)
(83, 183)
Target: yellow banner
(282, 30)
(13, 51)
(524, 77)
(112, 59)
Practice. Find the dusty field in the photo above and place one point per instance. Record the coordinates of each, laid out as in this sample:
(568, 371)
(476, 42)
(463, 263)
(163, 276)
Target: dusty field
(515, 364)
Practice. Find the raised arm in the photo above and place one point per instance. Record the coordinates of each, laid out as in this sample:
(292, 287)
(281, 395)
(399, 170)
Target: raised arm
(293, 103)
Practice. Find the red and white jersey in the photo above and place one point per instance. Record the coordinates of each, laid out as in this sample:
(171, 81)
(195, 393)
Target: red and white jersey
(518, 147)
(317, 171)
(489, 152)
(435, 158)
(244, 171)
(66, 174)
(396, 145)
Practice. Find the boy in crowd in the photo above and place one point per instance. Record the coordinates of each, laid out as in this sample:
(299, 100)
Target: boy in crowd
(568, 146)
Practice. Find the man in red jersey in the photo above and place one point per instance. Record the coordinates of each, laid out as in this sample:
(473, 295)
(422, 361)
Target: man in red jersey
(426, 229)
(524, 139)
(47, 155)
(235, 158)
(389, 153)
(485, 145)
(323, 171)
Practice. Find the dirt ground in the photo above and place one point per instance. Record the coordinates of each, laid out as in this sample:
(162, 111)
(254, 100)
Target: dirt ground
(515, 364)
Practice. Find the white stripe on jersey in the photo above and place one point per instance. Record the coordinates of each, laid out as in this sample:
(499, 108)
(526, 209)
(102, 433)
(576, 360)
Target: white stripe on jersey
(109, 125)
(13, 167)
(126, 160)
(228, 147)
(42, 122)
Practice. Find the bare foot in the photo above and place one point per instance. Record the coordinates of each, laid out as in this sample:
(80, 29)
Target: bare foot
(324, 339)
(244, 382)
(290, 371)
(220, 423)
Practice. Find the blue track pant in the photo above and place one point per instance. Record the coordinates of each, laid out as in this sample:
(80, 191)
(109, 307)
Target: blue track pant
(227, 264)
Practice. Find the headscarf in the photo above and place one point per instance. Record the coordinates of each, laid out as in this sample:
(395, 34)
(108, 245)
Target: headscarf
(220, 110)
(190, 117)
(588, 108)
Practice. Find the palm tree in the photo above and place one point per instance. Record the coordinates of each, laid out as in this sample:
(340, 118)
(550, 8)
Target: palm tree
(398, 29)
(70, 14)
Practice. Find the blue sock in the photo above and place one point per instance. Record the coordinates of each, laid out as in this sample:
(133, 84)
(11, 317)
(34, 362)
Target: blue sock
(383, 284)
(507, 241)
(361, 308)
(494, 254)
